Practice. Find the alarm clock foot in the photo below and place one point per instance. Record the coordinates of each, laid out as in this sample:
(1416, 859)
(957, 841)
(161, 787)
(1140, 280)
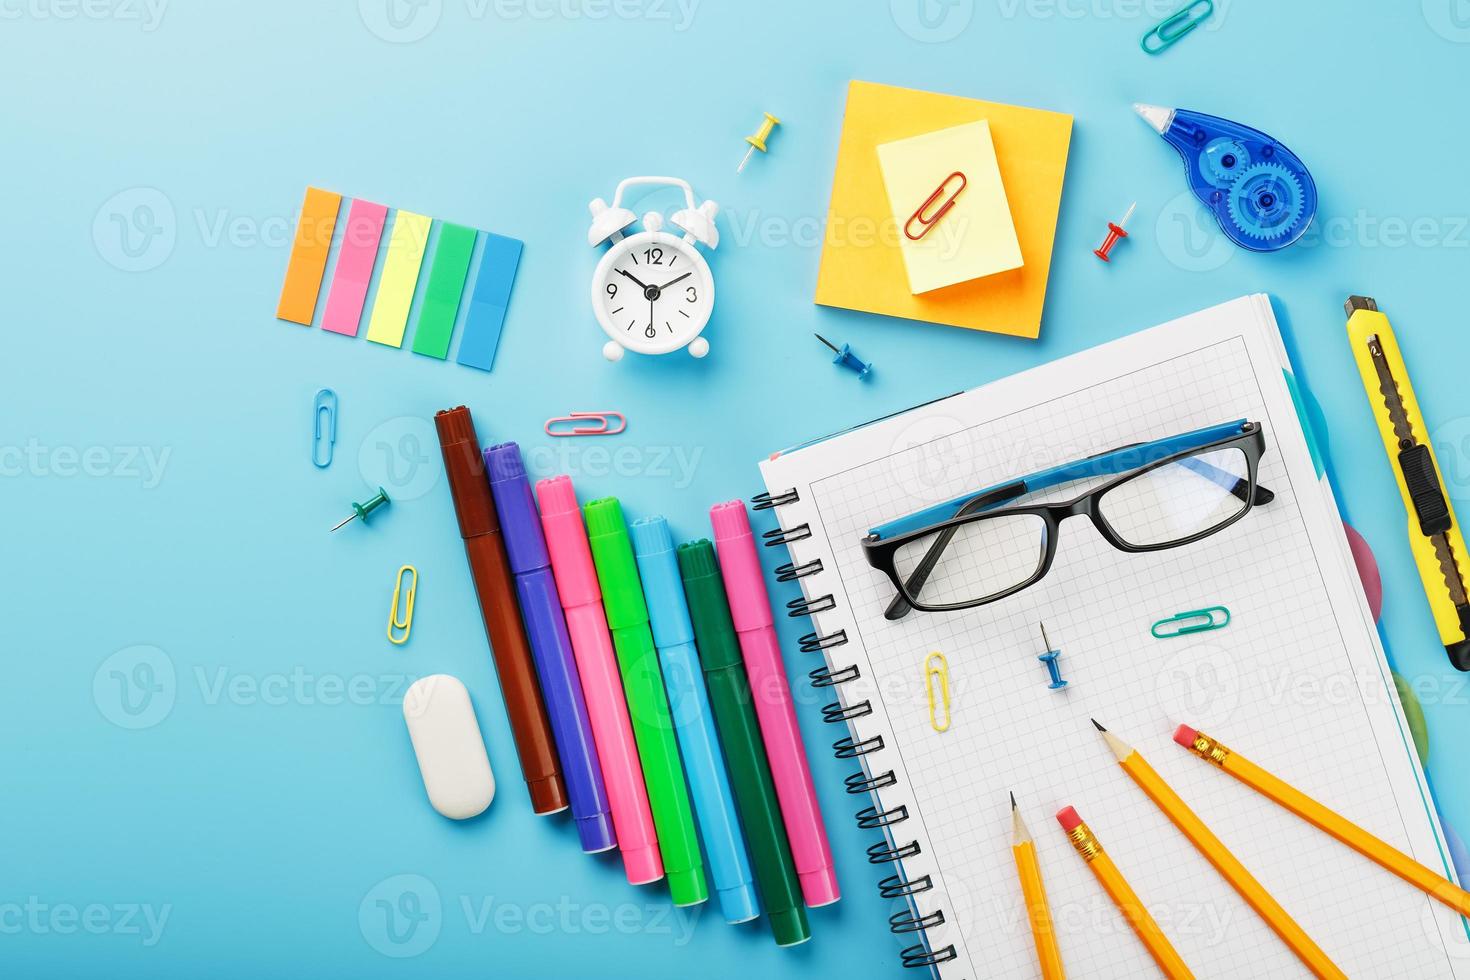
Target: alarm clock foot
(699, 347)
(612, 350)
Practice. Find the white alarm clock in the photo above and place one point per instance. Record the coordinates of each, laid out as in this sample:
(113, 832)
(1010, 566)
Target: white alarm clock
(653, 292)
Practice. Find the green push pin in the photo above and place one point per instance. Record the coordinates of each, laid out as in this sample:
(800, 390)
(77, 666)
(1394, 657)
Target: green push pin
(364, 509)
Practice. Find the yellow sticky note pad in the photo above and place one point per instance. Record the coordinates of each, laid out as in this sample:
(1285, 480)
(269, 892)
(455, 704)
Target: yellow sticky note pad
(862, 262)
(399, 278)
(975, 236)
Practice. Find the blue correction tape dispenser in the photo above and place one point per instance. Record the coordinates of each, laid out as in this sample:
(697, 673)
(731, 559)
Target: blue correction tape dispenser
(1259, 191)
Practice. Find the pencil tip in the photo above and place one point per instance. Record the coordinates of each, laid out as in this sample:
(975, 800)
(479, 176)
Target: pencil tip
(1013, 801)
(1096, 725)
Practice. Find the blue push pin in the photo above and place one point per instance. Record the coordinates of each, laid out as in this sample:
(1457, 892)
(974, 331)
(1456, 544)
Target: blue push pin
(1050, 659)
(847, 358)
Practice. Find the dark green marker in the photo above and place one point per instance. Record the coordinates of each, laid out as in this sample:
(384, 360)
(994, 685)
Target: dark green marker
(740, 735)
(648, 705)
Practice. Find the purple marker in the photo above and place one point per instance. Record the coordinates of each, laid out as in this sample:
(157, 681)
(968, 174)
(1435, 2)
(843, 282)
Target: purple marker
(551, 647)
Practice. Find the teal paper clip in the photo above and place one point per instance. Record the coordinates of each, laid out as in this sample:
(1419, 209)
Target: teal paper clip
(1172, 28)
(324, 428)
(1194, 621)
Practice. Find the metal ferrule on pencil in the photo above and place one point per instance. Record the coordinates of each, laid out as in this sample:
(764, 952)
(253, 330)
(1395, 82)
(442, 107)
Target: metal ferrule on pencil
(1086, 844)
(1209, 749)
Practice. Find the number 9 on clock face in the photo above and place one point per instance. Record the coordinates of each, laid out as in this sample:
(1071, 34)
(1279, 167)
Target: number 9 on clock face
(653, 293)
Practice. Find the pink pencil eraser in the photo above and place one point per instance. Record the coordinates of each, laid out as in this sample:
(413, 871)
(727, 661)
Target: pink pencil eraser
(1185, 736)
(1067, 817)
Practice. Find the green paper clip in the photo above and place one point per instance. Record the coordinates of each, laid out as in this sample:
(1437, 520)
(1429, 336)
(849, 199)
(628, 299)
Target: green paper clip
(1194, 621)
(1172, 28)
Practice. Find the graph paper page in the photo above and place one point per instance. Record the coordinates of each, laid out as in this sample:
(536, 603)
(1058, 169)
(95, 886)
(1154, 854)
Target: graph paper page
(1296, 681)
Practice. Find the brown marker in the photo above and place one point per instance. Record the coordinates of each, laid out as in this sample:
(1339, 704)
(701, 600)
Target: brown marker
(480, 529)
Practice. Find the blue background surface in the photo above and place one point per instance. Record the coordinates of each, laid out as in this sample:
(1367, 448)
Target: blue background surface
(201, 706)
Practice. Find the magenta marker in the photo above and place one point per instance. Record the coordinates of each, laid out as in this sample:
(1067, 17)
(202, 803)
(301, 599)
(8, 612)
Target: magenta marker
(750, 608)
(551, 646)
(581, 599)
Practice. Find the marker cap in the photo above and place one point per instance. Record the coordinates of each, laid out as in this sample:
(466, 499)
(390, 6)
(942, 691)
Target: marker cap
(708, 606)
(789, 926)
(548, 795)
(576, 578)
(687, 886)
(525, 544)
(622, 595)
(596, 832)
(819, 887)
(750, 606)
(668, 612)
(738, 903)
(644, 865)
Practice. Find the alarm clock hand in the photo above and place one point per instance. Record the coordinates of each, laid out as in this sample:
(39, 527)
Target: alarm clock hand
(672, 281)
(633, 277)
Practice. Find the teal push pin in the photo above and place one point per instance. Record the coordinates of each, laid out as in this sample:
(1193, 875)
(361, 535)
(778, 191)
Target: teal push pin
(847, 358)
(367, 507)
(1050, 659)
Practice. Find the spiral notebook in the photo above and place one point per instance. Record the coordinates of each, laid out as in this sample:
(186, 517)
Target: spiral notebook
(1297, 680)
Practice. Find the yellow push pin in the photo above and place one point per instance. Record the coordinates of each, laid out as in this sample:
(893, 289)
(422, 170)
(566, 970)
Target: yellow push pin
(758, 141)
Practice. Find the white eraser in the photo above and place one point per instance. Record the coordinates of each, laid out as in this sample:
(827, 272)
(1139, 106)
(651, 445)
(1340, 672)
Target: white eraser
(451, 752)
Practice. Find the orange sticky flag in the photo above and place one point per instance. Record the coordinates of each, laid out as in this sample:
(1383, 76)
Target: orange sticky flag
(309, 256)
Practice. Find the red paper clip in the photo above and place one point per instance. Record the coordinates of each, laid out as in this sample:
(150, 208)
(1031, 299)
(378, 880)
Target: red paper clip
(603, 424)
(928, 223)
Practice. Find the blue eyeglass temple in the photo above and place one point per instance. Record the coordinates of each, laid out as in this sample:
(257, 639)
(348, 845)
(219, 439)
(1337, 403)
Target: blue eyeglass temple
(1107, 464)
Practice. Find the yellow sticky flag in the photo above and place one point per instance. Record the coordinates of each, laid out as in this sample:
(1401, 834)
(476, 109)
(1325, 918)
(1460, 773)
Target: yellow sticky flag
(399, 278)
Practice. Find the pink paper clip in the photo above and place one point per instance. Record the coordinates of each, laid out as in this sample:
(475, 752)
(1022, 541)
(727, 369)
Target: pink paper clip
(603, 424)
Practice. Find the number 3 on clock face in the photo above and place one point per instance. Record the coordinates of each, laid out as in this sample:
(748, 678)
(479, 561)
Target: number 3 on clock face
(653, 293)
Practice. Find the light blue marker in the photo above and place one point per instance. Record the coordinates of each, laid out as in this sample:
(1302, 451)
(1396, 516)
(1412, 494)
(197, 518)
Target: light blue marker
(694, 723)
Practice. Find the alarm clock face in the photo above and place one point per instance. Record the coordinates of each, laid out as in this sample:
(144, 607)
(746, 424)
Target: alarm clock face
(653, 292)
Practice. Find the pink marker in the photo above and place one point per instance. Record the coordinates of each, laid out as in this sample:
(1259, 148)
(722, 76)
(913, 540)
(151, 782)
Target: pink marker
(750, 608)
(602, 685)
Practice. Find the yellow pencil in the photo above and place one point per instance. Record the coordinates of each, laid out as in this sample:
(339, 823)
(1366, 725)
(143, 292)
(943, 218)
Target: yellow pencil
(1034, 893)
(1216, 853)
(1324, 819)
(1123, 896)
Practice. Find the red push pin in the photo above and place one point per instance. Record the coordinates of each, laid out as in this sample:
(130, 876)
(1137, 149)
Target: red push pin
(1115, 232)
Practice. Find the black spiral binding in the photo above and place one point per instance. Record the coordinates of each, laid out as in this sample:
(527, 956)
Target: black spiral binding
(886, 851)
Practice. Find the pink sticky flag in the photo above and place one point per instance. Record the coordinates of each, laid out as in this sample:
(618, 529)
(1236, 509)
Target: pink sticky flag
(355, 262)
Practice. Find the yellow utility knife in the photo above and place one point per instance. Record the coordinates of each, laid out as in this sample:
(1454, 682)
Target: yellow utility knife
(1434, 535)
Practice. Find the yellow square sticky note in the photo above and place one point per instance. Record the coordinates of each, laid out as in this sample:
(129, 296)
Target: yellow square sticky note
(862, 268)
(399, 278)
(975, 236)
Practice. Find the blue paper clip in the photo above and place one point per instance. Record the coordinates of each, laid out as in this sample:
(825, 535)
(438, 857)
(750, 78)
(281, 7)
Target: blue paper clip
(1194, 621)
(324, 436)
(1172, 28)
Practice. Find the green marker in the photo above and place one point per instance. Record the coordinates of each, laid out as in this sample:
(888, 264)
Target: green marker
(653, 729)
(740, 735)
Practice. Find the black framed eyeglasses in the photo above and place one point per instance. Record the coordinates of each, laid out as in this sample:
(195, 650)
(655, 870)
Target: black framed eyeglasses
(971, 550)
